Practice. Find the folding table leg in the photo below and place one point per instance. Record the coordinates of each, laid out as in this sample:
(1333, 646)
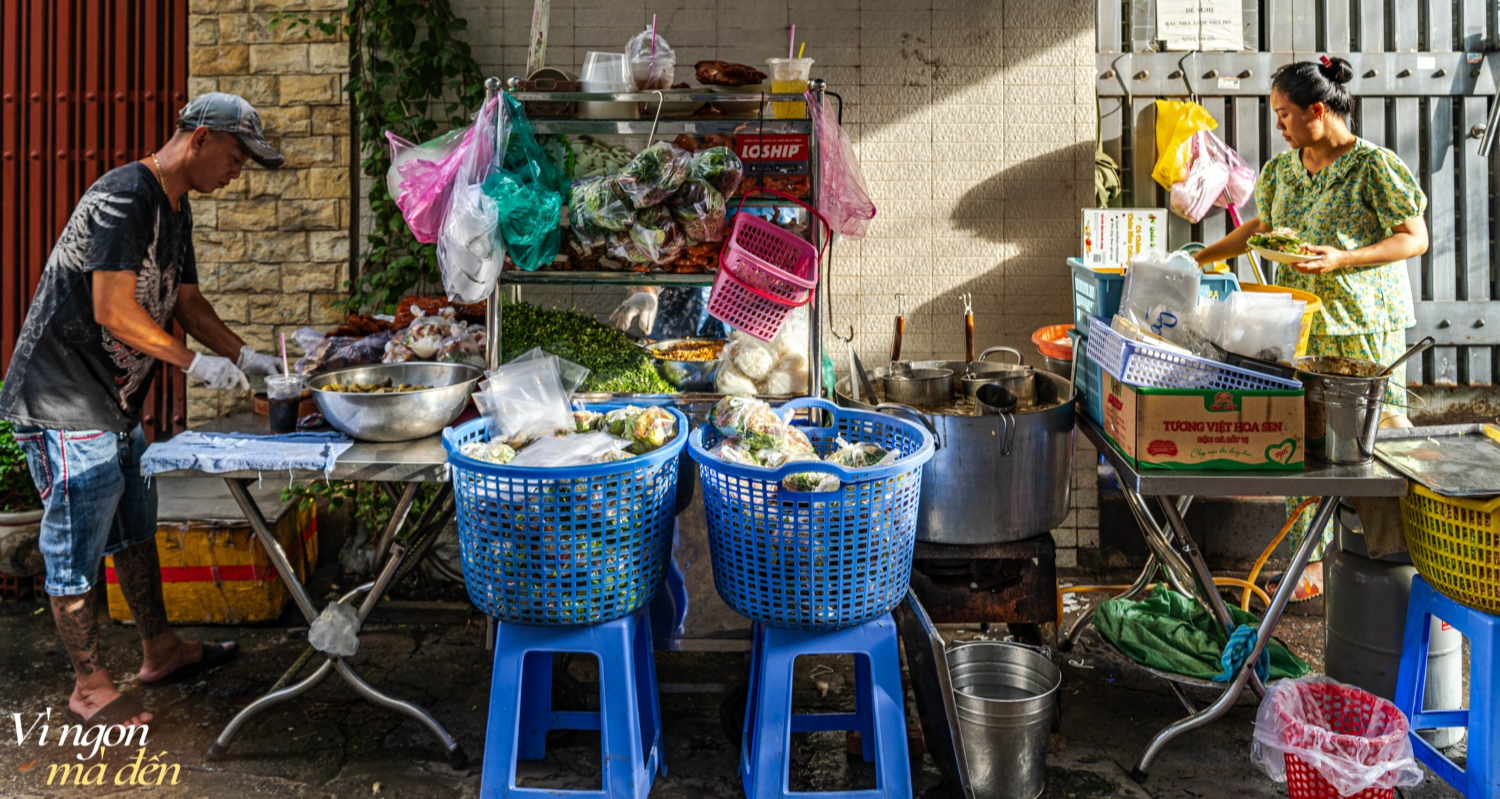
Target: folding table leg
(1136, 589)
(1267, 627)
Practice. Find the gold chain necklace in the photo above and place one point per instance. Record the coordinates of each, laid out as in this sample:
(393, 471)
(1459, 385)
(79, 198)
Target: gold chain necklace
(163, 178)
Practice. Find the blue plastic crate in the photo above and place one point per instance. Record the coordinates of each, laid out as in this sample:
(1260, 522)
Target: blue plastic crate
(1090, 379)
(570, 545)
(1138, 364)
(815, 561)
(1099, 293)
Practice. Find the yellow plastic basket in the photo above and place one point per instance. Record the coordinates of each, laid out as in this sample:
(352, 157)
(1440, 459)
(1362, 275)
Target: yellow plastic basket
(1455, 545)
(1314, 305)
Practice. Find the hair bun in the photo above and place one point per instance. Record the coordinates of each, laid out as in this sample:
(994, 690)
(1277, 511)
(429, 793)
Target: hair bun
(1337, 70)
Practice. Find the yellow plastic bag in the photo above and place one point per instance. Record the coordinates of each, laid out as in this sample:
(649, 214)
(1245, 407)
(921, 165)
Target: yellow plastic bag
(1176, 122)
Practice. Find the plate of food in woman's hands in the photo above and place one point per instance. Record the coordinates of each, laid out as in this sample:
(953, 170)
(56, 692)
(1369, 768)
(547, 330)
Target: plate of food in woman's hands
(1282, 245)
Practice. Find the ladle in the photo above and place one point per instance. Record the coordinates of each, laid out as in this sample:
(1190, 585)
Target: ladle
(1415, 348)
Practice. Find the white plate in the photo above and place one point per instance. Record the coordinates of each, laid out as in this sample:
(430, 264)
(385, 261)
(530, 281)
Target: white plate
(1283, 257)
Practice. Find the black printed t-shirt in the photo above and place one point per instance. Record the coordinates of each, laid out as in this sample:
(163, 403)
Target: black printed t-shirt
(68, 372)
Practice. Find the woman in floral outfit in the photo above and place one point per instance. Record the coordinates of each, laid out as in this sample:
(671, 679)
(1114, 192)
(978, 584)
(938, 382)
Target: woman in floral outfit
(1360, 210)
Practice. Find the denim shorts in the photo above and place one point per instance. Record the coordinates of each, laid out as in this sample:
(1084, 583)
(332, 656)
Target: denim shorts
(95, 501)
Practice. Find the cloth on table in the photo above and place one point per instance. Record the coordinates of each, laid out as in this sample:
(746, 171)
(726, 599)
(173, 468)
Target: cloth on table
(1385, 530)
(1172, 632)
(217, 453)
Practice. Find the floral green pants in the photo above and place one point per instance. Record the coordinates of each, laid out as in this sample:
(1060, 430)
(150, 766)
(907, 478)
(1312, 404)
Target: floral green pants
(1381, 347)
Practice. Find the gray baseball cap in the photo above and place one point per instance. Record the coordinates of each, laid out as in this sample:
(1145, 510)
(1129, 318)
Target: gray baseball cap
(230, 113)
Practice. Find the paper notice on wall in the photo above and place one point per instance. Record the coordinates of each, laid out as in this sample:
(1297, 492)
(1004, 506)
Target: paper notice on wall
(1200, 24)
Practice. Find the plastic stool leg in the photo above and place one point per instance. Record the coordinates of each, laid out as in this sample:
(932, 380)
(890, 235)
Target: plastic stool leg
(619, 712)
(752, 702)
(647, 699)
(502, 728)
(1483, 767)
(892, 764)
(536, 705)
(770, 739)
(864, 706)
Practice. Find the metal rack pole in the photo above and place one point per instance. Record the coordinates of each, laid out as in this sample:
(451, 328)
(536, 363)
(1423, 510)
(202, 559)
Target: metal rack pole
(493, 345)
(815, 313)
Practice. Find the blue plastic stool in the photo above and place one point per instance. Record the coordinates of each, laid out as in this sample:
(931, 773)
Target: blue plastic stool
(521, 711)
(879, 717)
(1480, 779)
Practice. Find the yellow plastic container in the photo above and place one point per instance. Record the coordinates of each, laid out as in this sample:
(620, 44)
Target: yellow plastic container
(218, 573)
(1455, 545)
(1314, 306)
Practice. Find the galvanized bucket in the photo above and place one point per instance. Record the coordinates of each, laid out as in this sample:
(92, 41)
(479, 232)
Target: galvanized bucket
(1006, 698)
(1341, 411)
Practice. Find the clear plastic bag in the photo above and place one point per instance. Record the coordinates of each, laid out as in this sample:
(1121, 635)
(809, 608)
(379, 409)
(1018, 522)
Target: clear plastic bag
(571, 450)
(749, 419)
(657, 235)
(470, 251)
(844, 197)
(528, 190)
(653, 63)
(571, 374)
(599, 202)
(720, 167)
(1353, 739)
(655, 173)
(1161, 292)
(323, 353)
(700, 209)
(525, 399)
(1216, 176)
(335, 631)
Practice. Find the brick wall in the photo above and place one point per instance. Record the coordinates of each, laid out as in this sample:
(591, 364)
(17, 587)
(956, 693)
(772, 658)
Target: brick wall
(273, 247)
(974, 120)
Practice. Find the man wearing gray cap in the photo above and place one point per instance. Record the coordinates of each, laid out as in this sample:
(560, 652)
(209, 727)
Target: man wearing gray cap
(119, 275)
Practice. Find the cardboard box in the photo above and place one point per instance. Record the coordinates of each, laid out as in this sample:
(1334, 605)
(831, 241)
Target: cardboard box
(217, 572)
(1112, 237)
(1173, 428)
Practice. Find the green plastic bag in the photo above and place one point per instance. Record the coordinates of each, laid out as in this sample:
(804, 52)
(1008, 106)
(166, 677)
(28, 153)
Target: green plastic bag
(529, 191)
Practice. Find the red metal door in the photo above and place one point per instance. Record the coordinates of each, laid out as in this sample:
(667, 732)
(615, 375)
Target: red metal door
(88, 85)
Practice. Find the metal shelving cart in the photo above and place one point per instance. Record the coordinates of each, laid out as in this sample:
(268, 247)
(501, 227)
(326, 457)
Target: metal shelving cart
(513, 281)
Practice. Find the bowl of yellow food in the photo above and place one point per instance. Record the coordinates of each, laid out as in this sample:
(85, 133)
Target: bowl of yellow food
(394, 401)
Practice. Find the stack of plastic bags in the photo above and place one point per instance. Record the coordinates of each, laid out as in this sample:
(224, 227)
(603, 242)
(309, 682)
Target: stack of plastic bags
(755, 436)
(1254, 324)
(528, 413)
(1161, 294)
(440, 337)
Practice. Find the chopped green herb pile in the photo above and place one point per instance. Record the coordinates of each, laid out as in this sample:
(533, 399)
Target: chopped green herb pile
(615, 362)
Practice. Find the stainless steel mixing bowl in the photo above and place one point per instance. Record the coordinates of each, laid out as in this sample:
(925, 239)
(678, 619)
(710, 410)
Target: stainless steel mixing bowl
(396, 417)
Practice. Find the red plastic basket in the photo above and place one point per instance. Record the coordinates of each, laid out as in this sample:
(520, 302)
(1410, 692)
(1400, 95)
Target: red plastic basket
(1350, 713)
(764, 272)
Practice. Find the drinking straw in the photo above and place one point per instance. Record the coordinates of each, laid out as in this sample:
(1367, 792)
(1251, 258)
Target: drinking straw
(802, 49)
(653, 40)
(285, 368)
(791, 41)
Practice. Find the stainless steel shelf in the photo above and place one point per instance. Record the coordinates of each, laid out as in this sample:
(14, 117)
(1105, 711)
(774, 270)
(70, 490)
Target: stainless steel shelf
(728, 126)
(650, 97)
(1317, 479)
(548, 277)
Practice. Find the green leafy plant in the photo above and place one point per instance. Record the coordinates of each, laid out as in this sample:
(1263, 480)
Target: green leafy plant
(370, 505)
(413, 75)
(17, 492)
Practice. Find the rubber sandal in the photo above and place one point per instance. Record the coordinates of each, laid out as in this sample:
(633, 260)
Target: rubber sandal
(214, 655)
(124, 708)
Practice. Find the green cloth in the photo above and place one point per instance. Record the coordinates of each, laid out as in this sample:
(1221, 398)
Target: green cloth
(1172, 632)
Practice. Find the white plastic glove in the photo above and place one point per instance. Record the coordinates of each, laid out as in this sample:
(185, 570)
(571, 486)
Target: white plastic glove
(254, 363)
(219, 373)
(638, 308)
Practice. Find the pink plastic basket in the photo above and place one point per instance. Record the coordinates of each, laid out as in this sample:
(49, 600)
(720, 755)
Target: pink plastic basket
(764, 273)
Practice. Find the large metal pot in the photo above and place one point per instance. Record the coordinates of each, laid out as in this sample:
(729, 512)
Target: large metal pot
(973, 493)
(918, 386)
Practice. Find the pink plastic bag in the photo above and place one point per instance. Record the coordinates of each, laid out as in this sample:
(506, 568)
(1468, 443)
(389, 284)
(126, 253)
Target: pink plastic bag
(421, 178)
(844, 197)
(1216, 175)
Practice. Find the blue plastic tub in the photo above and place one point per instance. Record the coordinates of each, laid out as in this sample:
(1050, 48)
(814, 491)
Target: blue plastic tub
(815, 561)
(573, 545)
(1090, 378)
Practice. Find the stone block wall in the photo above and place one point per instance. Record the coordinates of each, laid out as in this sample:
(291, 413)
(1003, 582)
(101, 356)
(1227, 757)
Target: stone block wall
(273, 247)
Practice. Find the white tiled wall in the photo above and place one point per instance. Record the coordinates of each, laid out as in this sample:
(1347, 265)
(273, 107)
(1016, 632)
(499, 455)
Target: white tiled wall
(974, 120)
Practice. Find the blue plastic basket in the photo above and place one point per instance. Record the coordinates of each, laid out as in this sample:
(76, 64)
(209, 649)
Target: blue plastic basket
(1090, 379)
(1140, 364)
(572, 545)
(1099, 293)
(815, 561)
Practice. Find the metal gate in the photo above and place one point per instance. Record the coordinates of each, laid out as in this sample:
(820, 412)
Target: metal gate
(85, 86)
(1424, 81)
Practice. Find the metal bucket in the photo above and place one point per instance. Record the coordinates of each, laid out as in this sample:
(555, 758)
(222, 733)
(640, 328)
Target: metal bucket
(1006, 697)
(1341, 411)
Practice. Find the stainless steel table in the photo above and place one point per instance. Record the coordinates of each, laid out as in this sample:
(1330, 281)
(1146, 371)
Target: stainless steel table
(1174, 553)
(410, 463)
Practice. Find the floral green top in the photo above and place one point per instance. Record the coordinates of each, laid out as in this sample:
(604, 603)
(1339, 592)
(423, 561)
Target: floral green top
(1351, 203)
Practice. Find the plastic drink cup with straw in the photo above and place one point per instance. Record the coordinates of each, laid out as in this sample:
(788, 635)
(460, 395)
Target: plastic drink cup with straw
(789, 76)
